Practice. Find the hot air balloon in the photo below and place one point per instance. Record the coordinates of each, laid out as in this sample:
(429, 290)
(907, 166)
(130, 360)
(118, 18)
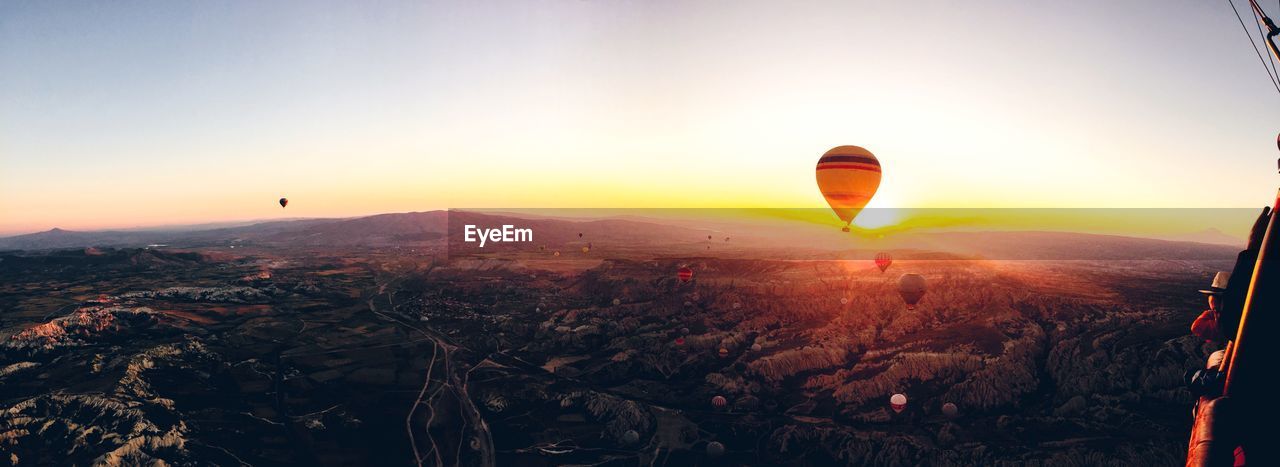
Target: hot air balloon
(630, 437)
(579, 234)
(756, 347)
(715, 449)
(685, 274)
(883, 260)
(912, 288)
(724, 352)
(617, 302)
(708, 237)
(284, 202)
(684, 331)
(719, 402)
(585, 249)
(556, 254)
(898, 402)
(679, 341)
(848, 177)
(950, 410)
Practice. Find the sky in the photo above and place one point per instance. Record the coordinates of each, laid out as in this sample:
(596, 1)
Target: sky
(133, 114)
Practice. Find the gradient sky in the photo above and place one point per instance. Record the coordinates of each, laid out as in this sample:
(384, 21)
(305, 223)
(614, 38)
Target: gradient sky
(161, 113)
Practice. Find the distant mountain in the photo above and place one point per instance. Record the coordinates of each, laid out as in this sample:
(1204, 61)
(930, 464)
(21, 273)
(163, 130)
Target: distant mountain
(641, 235)
(58, 238)
(1067, 246)
(1212, 236)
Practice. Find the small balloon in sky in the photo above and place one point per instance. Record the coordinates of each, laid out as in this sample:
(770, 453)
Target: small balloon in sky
(883, 260)
(284, 202)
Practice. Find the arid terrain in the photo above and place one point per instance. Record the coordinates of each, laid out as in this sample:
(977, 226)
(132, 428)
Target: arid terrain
(394, 352)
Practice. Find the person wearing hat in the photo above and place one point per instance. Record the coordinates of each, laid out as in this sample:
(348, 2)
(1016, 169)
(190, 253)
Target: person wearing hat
(1206, 326)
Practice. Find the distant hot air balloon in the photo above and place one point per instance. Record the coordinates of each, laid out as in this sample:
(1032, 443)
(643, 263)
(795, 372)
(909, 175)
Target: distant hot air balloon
(579, 234)
(898, 402)
(912, 288)
(756, 347)
(284, 202)
(630, 437)
(685, 274)
(617, 302)
(724, 352)
(715, 449)
(556, 253)
(586, 249)
(883, 260)
(708, 237)
(848, 177)
(719, 402)
(679, 341)
(684, 331)
(950, 410)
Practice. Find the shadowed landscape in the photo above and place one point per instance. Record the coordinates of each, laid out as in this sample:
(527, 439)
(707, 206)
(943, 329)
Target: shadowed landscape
(302, 345)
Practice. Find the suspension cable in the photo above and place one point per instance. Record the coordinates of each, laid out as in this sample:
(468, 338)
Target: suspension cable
(1258, 17)
(1253, 44)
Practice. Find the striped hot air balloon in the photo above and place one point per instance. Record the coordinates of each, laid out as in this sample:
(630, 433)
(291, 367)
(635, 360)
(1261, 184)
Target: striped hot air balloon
(848, 177)
(685, 274)
(719, 402)
(883, 260)
(898, 402)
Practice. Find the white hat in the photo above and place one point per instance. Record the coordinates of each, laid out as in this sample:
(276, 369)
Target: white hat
(1219, 283)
